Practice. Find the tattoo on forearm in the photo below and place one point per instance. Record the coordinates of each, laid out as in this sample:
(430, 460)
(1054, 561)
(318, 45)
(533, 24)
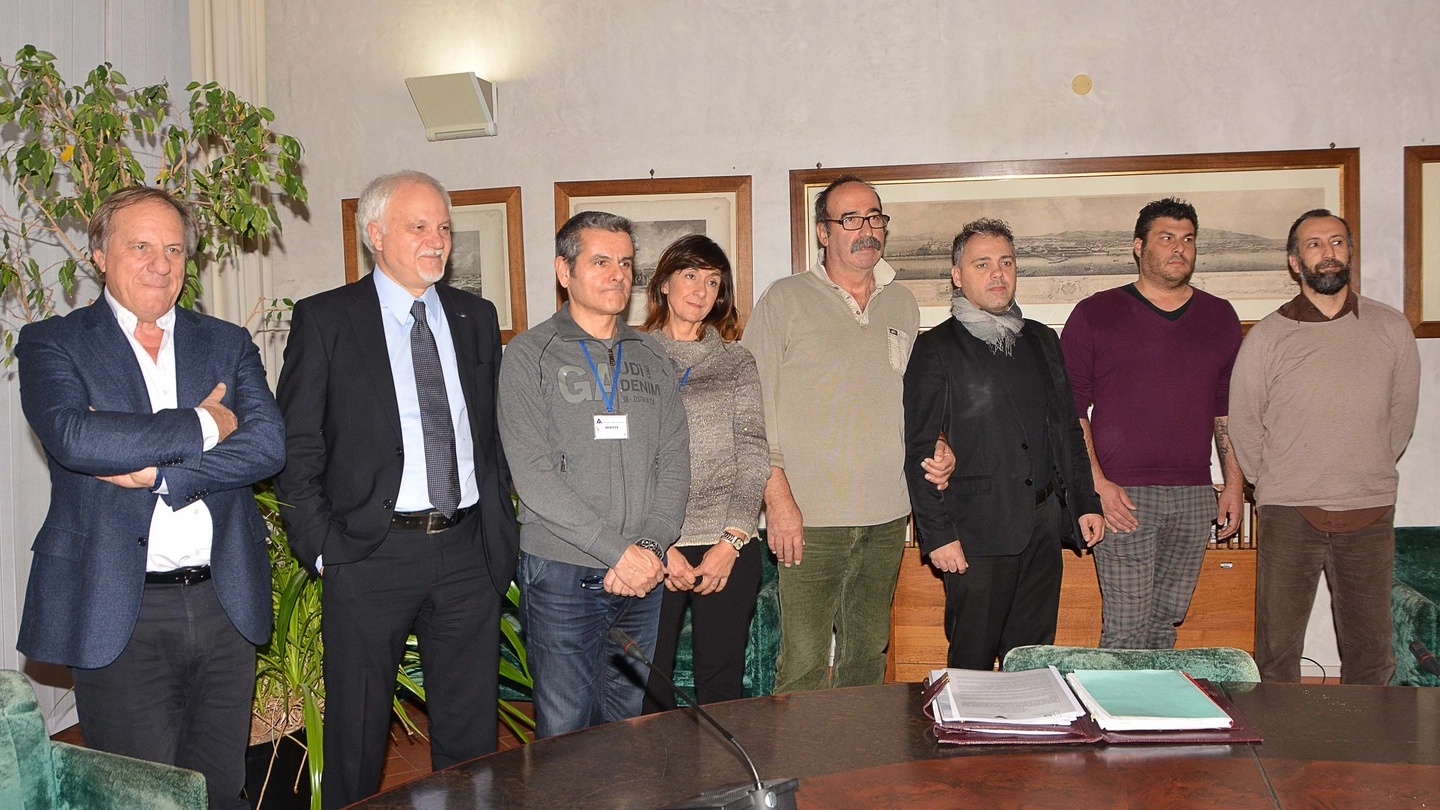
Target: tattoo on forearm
(1223, 447)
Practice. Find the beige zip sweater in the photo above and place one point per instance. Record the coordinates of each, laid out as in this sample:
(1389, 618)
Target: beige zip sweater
(832, 382)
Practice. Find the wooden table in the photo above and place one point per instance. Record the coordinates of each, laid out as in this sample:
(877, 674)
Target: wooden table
(868, 747)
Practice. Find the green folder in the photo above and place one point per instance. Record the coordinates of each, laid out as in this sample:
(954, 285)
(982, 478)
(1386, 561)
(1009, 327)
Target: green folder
(1145, 699)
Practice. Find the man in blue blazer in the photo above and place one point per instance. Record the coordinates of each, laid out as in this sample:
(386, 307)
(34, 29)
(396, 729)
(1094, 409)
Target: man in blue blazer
(150, 577)
(396, 490)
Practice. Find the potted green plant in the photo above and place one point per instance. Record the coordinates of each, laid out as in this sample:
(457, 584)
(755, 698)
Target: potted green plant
(289, 676)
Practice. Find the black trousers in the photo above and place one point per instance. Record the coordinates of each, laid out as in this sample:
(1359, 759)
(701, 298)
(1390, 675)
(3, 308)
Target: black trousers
(180, 693)
(719, 631)
(1000, 603)
(438, 587)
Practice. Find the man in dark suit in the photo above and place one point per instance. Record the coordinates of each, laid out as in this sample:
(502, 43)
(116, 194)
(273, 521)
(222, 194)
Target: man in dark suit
(994, 384)
(396, 490)
(150, 578)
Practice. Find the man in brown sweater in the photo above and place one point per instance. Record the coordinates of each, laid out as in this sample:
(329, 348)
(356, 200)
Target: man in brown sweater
(1322, 403)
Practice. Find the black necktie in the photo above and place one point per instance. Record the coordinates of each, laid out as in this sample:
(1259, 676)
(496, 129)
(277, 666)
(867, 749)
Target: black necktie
(441, 473)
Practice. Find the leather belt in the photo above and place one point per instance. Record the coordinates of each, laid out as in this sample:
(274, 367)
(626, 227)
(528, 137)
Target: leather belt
(430, 520)
(193, 575)
(1044, 495)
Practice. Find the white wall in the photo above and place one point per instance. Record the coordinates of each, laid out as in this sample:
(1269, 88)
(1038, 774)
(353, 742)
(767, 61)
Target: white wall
(759, 87)
(147, 40)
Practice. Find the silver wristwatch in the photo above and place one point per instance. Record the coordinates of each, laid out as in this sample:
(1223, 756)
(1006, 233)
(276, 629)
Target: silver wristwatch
(736, 540)
(654, 548)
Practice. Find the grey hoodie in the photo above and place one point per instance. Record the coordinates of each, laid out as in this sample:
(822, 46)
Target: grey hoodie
(585, 500)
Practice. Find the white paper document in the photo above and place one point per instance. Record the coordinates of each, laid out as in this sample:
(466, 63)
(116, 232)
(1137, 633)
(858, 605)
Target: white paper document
(1036, 697)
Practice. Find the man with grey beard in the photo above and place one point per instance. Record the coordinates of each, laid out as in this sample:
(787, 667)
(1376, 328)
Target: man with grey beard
(1322, 403)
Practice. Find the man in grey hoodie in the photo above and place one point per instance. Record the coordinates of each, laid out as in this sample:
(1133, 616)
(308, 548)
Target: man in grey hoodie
(592, 425)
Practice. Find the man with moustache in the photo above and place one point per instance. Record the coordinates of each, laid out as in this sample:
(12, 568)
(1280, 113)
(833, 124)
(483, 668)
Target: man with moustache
(1322, 404)
(831, 346)
(995, 384)
(396, 490)
(1150, 365)
(592, 422)
(150, 578)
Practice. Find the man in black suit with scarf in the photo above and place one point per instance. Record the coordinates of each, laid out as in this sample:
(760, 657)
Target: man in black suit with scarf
(994, 385)
(396, 490)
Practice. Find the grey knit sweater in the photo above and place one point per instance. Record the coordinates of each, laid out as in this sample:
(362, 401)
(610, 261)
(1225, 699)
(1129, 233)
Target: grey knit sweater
(729, 457)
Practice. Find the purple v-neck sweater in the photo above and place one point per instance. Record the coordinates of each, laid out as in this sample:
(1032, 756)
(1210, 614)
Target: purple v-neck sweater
(1156, 385)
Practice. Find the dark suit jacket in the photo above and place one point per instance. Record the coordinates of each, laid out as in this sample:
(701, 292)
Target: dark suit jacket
(88, 574)
(345, 451)
(954, 384)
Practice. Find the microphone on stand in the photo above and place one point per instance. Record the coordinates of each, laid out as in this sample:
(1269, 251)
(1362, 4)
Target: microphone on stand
(1424, 657)
(773, 794)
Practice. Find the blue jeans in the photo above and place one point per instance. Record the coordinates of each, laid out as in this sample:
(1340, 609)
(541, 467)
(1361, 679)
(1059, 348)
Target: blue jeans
(581, 677)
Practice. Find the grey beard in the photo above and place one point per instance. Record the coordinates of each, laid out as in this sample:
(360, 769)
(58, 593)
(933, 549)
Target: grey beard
(999, 332)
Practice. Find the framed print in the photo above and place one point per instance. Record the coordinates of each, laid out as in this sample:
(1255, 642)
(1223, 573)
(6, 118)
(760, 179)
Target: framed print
(663, 210)
(1074, 220)
(487, 253)
(1422, 239)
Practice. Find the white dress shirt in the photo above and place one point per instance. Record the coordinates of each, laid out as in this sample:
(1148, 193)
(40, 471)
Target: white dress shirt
(179, 538)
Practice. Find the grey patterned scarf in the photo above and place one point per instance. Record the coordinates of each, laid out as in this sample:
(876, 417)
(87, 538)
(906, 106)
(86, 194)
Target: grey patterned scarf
(997, 331)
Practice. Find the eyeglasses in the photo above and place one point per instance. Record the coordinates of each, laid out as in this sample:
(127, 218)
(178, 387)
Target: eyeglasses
(852, 222)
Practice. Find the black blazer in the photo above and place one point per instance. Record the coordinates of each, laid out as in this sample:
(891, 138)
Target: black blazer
(342, 426)
(954, 384)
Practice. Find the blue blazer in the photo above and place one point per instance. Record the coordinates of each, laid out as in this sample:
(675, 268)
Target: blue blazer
(84, 396)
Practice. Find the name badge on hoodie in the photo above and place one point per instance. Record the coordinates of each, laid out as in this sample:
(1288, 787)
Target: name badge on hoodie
(608, 425)
(611, 426)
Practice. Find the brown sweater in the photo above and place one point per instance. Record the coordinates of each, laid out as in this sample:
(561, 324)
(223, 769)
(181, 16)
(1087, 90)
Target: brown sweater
(1321, 411)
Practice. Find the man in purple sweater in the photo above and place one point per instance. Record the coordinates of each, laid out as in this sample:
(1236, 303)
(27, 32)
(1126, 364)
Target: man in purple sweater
(1153, 360)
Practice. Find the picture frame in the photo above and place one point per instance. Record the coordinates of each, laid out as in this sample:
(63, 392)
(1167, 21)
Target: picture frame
(664, 209)
(1074, 220)
(1422, 239)
(487, 255)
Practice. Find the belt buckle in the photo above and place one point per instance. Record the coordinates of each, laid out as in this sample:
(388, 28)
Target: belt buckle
(435, 522)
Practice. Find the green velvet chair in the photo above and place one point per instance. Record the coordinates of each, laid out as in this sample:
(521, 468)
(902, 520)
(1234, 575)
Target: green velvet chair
(1415, 601)
(37, 773)
(1219, 664)
(764, 645)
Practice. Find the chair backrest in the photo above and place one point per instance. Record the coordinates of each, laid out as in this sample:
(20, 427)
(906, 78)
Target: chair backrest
(27, 775)
(1219, 664)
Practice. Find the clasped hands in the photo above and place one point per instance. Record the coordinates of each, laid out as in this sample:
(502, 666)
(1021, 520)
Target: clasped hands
(639, 571)
(636, 574)
(144, 478)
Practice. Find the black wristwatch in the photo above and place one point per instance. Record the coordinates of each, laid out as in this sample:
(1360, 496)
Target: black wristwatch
(654, 548)
(736, 540)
